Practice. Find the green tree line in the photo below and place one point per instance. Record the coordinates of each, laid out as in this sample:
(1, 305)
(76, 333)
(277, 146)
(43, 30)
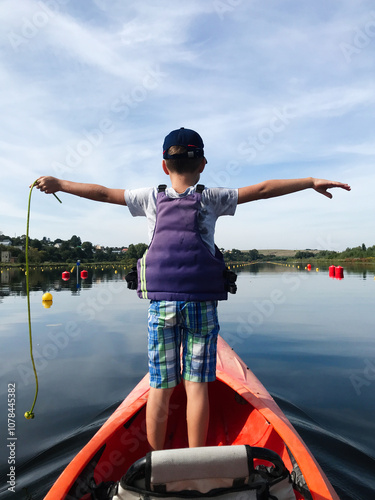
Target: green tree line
(68, 251)
(62, 251)
(360, 252)
(71, 250)
(235, 255)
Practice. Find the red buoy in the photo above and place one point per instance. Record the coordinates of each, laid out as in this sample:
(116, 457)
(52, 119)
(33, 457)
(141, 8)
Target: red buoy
(84, 274)
(339, 273)
(309, 267)
(66, 275)
(332, 271)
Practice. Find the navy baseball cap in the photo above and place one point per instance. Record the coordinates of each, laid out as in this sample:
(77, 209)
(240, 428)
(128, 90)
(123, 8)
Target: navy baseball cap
(191, 140)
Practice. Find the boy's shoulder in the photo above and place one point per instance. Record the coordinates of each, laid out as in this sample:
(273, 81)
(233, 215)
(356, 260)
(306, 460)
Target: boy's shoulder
(220, 193)
(209, 194)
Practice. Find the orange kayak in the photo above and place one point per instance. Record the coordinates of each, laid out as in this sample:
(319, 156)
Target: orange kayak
(241, 412)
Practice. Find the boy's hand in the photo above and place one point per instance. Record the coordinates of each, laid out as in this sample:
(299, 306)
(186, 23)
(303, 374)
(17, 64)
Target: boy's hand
(48, 184)
(321, 186)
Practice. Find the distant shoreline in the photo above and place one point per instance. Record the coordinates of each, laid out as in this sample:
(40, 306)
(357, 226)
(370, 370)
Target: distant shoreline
(284, 255)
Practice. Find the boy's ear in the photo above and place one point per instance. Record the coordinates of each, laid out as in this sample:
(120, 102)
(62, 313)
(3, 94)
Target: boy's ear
(164, 164)
(203, 164)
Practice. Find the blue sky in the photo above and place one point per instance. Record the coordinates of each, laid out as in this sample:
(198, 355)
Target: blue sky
(277, 89)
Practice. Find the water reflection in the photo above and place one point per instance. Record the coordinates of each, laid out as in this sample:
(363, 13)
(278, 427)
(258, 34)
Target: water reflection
(47, 279)
(308, 338)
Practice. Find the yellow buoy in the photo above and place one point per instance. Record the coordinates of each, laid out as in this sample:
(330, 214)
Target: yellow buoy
(47, 300)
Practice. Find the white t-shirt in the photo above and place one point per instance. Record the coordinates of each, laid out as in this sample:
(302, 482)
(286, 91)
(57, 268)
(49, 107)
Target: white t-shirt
(215, 202)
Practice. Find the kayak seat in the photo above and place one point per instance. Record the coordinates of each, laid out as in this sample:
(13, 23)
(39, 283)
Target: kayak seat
(220, 471)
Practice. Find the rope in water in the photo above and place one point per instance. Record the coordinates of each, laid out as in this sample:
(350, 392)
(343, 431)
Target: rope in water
(30, 414)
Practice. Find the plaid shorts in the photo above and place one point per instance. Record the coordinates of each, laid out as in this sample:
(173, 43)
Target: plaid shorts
(195, 326)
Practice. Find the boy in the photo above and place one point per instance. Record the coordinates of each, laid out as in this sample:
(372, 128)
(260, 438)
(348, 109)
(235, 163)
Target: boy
(182, 272)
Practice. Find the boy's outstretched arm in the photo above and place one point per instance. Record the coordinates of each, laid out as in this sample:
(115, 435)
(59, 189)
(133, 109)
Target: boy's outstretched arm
(95, 192)
(279, 187)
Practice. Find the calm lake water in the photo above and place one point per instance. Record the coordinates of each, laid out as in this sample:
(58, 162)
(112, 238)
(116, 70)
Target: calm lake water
(309, 339)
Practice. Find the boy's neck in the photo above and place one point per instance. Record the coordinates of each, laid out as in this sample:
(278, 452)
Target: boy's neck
(181, 182)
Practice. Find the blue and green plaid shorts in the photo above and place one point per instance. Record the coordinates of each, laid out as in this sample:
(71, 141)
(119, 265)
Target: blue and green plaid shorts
(195, 326)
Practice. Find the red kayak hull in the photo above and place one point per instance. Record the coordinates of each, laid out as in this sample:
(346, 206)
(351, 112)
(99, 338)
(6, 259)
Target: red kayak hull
(241, 412)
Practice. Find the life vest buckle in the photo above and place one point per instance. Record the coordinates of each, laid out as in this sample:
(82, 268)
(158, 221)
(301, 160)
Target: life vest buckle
(132, 279)
(230, 278)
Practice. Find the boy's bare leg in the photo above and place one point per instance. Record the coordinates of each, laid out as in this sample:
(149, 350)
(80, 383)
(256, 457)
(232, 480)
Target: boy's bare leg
(157, 416)
(197, 412)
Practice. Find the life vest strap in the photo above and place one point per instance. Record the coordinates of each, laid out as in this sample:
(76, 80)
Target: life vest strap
(199, 189)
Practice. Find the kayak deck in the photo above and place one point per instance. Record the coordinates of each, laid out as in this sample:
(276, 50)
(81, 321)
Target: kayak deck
(241, 412)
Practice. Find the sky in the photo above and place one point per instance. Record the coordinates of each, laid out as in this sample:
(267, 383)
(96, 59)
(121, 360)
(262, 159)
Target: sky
(277, 89)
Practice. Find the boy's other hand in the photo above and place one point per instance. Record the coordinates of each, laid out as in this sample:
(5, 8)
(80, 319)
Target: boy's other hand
(321, 186)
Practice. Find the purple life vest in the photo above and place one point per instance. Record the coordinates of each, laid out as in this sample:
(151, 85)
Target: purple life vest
(178, 265)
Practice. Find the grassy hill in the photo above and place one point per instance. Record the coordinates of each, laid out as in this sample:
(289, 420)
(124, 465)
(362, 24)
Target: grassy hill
(283, 253)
